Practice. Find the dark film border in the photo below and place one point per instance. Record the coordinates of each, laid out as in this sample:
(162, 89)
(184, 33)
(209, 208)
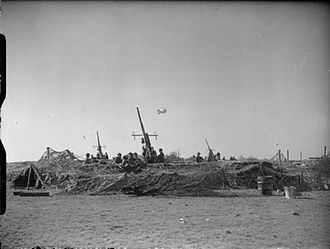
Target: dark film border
(2, 149)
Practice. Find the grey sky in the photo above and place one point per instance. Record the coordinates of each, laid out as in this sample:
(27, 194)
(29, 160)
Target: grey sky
(251, 78)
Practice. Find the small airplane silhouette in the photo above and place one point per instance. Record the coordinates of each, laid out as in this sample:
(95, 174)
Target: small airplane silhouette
(161, 110)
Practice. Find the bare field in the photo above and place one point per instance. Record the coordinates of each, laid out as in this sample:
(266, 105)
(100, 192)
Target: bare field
(121, 221)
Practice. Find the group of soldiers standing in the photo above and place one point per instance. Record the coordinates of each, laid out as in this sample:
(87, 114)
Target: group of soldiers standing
(147, 156)
(210, 158)
(91, 159)
(152, 157)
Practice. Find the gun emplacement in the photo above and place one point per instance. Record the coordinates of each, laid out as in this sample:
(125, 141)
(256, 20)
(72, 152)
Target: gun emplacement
(147, 148)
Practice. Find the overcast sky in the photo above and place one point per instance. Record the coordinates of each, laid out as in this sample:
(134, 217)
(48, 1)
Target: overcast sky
(251, 78)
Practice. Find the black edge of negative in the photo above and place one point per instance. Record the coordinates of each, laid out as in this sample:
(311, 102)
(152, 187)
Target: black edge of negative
(2, 149)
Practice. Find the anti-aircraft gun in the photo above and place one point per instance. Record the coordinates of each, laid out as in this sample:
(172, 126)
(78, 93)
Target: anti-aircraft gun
(99, 147)
(211, 156)
(148, 150)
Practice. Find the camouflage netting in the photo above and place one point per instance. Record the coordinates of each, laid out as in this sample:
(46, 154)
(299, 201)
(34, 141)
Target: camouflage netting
(17, 168)
(245, 174)
(69, 175)
(150, 182)
(172, 183)
(315, 174)
(58, 160)
(181, 180)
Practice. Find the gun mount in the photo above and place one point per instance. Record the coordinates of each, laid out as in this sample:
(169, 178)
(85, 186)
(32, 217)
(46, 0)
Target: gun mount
(148, 151)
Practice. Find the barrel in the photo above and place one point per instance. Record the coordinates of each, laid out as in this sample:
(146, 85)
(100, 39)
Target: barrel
(265, 185)
(289, 192)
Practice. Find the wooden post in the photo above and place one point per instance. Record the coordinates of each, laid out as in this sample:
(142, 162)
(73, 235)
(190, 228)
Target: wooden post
(48, 154)
(38, 177)
(279, 158)
(28, 181)
(287, 155)
(300, 156)
(325, 151)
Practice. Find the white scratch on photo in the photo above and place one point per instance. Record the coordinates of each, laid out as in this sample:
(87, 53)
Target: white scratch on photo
(260, 37)
(274, 25)
(303, 61)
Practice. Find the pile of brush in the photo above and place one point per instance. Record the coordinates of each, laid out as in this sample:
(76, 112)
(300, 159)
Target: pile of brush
(245, 175)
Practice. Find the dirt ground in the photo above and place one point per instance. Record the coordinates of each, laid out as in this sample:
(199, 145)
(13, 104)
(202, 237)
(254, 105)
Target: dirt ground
(121, 221)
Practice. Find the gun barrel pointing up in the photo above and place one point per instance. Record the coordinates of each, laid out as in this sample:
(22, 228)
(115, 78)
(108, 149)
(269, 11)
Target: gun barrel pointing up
(140, 119)
(207, 144)
(145, 135)
(99, 144)
(210, 150)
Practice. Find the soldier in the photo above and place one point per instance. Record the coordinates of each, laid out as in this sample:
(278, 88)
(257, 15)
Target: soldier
(125, 164)
(87, 160)
(153, 158)
(217, 157)
(93, 159)
(144, 152)
(136, 157)
(118, 158)
(199, 159)
(161, 156)
(130, 157)
(130, 164)
(106, 156)
(137, 164)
